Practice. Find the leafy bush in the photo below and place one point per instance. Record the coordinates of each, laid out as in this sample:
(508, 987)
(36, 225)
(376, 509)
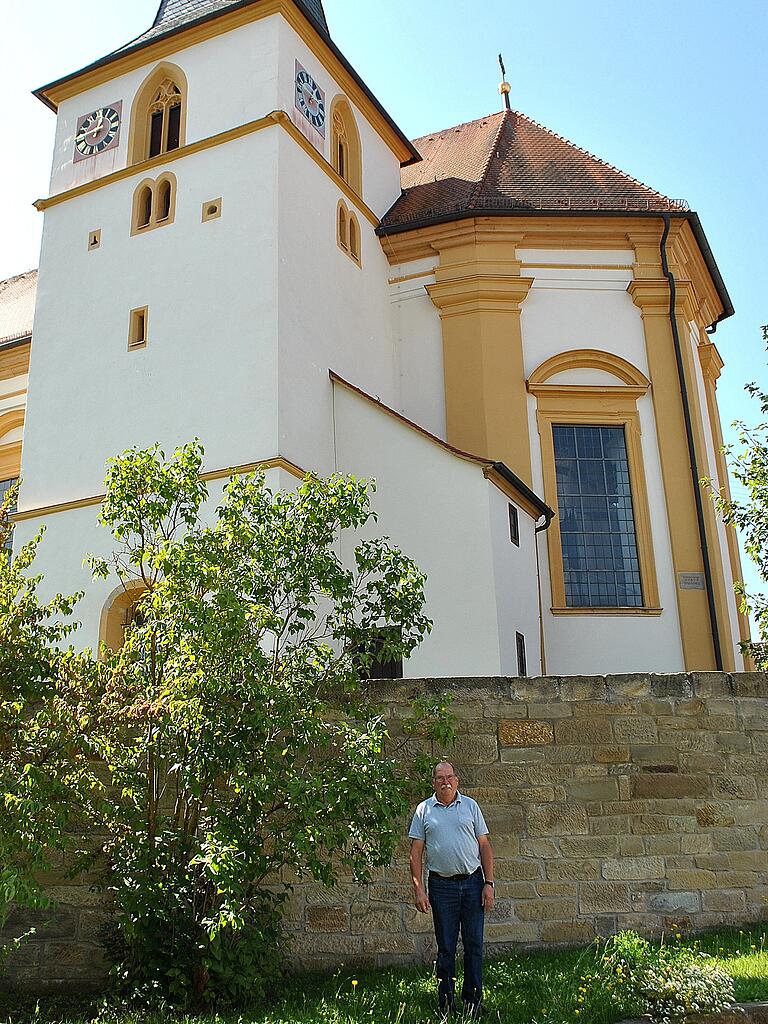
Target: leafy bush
(229, 745)
(670, 982)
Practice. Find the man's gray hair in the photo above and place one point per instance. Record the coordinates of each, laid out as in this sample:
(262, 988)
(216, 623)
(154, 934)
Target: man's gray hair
(444, 764)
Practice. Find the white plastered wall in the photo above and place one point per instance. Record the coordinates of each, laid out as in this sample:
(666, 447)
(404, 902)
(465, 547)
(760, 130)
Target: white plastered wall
(586, 306)
(710, 470)
(232, 79)
(333, 314)
(210, 365)
(443, 513)
(420, 380)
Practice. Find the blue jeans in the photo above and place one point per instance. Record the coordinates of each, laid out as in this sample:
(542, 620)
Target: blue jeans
(457, 905)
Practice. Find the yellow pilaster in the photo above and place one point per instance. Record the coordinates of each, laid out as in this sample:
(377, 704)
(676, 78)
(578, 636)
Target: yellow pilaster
(478, 292)
(711, 365)
(650, 292)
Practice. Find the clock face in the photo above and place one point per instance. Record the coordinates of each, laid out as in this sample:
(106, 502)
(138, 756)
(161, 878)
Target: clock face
(98, 131)
(310, 99)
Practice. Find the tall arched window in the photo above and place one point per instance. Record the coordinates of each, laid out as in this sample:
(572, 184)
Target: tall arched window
(346, 151)
(343, 233)
(119, 613)
(158, 115)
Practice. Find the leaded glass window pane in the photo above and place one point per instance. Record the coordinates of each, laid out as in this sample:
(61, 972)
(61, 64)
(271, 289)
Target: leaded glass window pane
(597, 524)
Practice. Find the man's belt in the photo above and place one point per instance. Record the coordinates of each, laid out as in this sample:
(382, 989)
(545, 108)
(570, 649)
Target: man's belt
(452, 878)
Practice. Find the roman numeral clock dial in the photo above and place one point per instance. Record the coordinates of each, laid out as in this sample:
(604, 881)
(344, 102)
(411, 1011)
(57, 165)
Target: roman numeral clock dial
(98, 131)
(310, 99)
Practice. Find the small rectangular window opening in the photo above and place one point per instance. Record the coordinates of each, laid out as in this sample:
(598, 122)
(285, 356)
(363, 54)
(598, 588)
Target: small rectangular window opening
(514, 525)
(156, 133)
(522, 665)
(174, 127)
(94, 239)
(138, 330)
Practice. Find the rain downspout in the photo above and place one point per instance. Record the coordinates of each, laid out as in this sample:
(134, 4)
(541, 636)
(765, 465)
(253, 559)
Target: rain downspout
(691, 450)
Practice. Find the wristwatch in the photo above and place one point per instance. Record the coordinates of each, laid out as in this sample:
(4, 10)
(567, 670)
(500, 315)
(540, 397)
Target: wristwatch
(489, 883)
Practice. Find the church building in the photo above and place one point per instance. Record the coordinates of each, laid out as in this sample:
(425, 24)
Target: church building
(514, 338)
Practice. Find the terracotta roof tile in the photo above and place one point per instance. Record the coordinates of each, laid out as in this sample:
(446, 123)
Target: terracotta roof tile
(17, 306)
(507, 161)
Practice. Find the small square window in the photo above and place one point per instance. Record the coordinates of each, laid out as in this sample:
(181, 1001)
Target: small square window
(94, 239)
(522, 665)
(211, 209)
(514, 525)
(137, 332)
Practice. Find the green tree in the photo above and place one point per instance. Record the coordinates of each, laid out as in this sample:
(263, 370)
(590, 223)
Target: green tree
(46, 777)
(241, 747)
(748, 463)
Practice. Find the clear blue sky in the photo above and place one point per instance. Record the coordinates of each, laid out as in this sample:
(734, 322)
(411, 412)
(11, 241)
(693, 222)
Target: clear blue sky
(671, 92)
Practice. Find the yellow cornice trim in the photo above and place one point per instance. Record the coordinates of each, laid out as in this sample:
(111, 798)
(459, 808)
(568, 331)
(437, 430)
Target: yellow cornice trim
(596, 391)
(10, 421)
(276, 117)
(588, 358)
(227, 22)
(711, 361)
(215, 474)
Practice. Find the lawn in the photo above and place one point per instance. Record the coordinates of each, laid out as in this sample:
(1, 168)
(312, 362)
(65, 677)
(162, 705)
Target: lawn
(570, 987)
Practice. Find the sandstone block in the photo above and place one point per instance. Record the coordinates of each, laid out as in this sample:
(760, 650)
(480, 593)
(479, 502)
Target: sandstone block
(662, 846)
(327, 919)
(668, 787)
(501, 776)
(524, 732)
(470, 750)
(367, 919)
(749, 860)
(593, 789)
(589, 846)
(58, 923)
(724, 900)
(519, 870)
(504, 820)
(553, 710)
(672, 902)
(691, 879)
(610, 825)
(557, 820)
(539, 848)
(631, 846)
(559, 870)
(736, 879)
(604, 898)
(633, 868)
(695, 763)
(546, 909)
(696, 842)
(516, 890)
(578, 688)
(401, 944)
(630, 685)
(584, 732)
(550, 889)
(701, 742)
(509, 932)
(612, 755)
(574, 933)
(726, 839)
(638, 729)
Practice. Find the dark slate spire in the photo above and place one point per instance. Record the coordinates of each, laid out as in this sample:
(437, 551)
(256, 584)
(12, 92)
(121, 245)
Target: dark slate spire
(175, 14)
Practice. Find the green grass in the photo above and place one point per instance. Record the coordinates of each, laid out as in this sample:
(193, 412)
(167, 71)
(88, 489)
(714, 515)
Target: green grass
(572, 987)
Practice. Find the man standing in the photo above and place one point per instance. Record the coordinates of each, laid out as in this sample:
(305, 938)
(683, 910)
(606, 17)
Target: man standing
(451, 830)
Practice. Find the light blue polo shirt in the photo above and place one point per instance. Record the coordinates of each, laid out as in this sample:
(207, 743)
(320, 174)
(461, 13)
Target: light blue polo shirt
(450, 834)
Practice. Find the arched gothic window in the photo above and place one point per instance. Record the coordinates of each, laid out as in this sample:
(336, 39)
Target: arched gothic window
(346, 151)
(159, 114)
(348, 232)
(154, 203)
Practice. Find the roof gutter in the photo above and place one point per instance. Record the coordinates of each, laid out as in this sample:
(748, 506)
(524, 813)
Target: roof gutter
(522, 211)
(512, 478)
(715, 631)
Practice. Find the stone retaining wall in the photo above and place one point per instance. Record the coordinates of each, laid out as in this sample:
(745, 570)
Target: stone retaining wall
(632, 801)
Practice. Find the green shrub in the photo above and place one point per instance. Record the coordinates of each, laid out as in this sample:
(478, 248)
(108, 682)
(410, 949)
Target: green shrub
(670, 982)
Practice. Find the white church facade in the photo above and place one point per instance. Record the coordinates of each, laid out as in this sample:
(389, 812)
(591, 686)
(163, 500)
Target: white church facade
(512, 337)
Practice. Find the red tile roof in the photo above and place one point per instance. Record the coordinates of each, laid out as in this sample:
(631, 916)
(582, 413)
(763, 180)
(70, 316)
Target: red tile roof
(507, 161)
(17, 306)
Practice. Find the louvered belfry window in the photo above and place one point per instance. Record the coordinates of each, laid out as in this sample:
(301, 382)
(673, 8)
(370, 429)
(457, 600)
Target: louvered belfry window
(165, 119)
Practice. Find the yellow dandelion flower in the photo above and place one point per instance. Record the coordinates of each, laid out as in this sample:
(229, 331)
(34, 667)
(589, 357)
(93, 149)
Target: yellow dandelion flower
(354, 983)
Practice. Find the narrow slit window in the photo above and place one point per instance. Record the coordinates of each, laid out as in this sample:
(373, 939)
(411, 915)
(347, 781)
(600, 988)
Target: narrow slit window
(164, 200)
(174, 127)
(156, 133)
(514, 525)
(354, 237)
(522, 664)
(145, 207)
(343, 233)
(137, 336)
(601, 567)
